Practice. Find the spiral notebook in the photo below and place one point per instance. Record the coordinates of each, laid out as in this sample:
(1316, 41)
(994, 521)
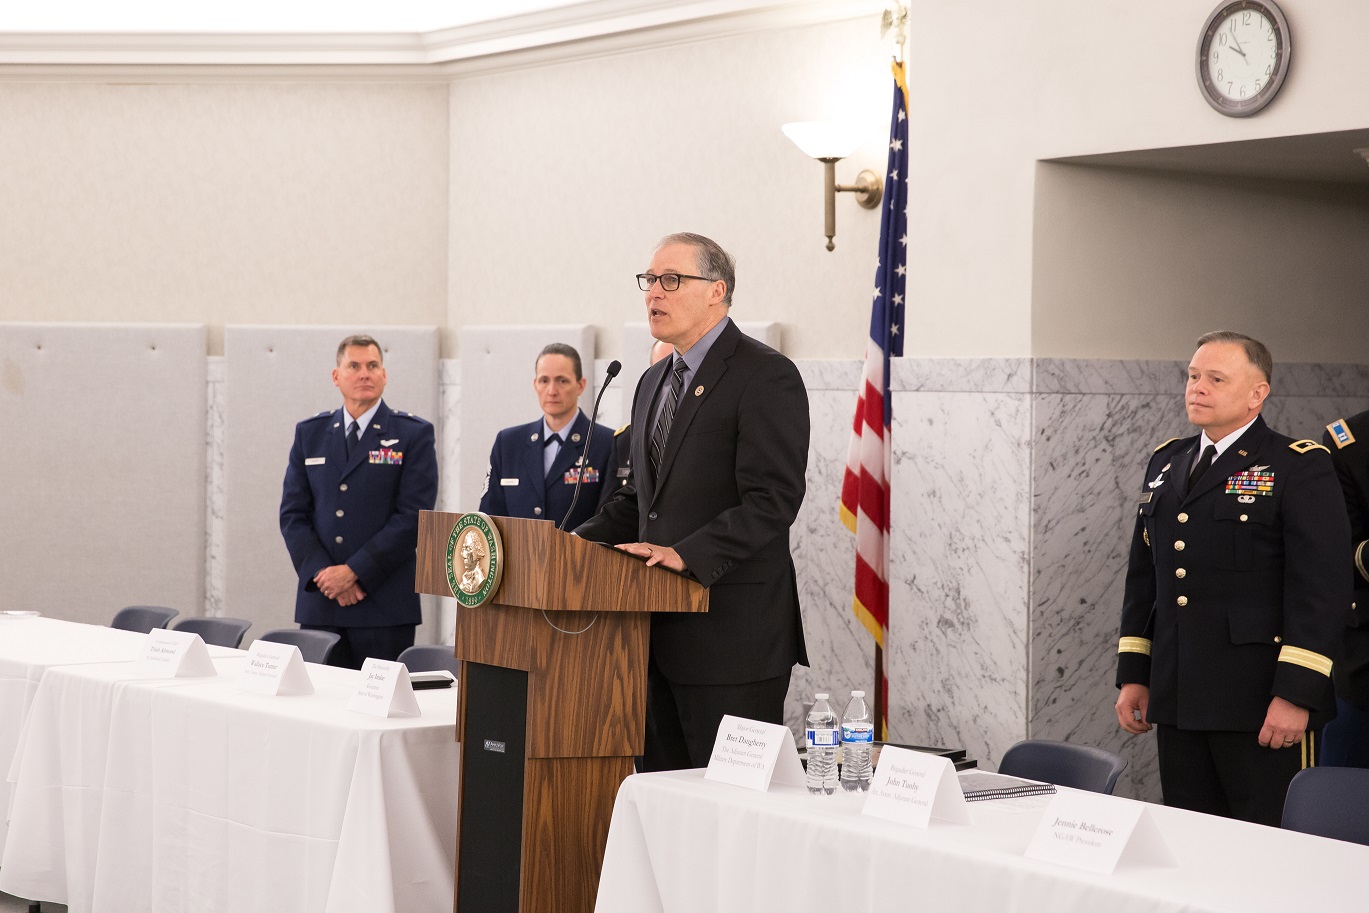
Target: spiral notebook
(979, 786)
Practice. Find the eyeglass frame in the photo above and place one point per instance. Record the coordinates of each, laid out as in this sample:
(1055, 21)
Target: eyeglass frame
(651, 280)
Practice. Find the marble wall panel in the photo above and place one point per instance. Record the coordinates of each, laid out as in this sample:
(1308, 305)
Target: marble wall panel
(1089, 454)
(840, 650)
(958, 594)
(214, 493)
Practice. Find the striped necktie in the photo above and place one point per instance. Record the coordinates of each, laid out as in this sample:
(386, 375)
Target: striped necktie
(667, 417)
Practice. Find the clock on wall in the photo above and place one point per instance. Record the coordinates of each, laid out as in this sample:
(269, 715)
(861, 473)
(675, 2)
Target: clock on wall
(1243, 55)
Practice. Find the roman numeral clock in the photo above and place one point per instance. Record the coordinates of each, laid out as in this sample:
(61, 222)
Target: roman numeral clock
(1243, 56)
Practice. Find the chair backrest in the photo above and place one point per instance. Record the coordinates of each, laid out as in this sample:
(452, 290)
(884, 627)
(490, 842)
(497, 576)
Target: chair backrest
(1064, 764)
(430, 658)
(314, 646)
(142, 618)
(1329, 802)
(221, 632)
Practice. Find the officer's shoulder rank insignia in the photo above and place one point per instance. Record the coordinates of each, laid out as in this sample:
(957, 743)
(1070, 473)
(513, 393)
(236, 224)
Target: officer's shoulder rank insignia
(1164, 445)
(622, 429)
(1340, 433)
(1306, 446)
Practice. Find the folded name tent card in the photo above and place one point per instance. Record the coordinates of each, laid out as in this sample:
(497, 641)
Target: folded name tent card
(750, 754)
(913, 787)
(174, 654)
(384, 690)
(273, 668)
(1094, 832)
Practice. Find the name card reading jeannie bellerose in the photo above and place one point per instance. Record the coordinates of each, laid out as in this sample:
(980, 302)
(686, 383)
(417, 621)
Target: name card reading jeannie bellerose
(913, 787)
(751, 754)
(174, 654)
(1094, 832)
(384, 690)
(273, 668)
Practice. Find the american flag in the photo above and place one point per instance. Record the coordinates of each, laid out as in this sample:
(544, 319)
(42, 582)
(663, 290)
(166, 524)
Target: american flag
(865, 487)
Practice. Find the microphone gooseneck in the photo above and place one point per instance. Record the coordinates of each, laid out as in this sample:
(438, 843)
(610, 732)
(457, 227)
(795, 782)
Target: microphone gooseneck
(612, 371)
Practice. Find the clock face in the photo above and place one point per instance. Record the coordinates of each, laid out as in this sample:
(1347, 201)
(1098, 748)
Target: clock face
(1243, 56)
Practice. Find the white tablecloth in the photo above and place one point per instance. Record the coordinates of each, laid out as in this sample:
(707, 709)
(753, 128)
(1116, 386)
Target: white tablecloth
(30, 646)
(189, 795)
(680, 843)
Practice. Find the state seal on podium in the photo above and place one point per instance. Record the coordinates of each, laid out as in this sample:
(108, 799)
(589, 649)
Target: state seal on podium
(475, 560)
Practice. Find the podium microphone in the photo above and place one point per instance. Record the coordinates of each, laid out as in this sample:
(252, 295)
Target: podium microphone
(613, 368)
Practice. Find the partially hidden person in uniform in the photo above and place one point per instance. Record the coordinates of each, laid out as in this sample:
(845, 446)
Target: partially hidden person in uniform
(622, 438)
(534, 467)
(1236, 595)
(1346, 739)
(719, 444)
(356, 480)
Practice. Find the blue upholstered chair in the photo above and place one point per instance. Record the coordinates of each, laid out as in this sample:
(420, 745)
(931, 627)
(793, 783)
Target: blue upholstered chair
(314, 646)
(1064, 764)
(430, 658)
(221, 632)
(142, 618)
(1329, 802)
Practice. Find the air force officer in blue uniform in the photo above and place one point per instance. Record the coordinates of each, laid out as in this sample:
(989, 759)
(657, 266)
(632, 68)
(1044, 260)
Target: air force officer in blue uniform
(356, 481)
(534, 467)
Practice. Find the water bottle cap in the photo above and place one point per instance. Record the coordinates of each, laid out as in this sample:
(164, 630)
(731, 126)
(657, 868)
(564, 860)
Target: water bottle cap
(820, 696)
(857, 694)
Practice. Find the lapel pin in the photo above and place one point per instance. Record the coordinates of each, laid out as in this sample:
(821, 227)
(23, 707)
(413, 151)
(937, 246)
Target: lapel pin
(1242, 453)
(337, 424)
(699, 390)
(534, 435)
(376, 427)
(575, 438)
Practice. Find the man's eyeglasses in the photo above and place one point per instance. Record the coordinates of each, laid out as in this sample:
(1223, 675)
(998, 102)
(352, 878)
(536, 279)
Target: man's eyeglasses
(670, 281)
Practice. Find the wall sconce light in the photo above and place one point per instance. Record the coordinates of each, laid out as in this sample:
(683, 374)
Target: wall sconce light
(829, 143)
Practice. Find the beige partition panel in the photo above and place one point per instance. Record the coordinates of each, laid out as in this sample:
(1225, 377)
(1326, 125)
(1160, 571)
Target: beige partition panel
(104, 466)
(274, 378)
(497, 365)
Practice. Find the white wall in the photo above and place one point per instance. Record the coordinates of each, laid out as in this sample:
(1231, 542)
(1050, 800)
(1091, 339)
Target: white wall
(564, 176)
(223, 203)
(1138, 264)
(1000, 84)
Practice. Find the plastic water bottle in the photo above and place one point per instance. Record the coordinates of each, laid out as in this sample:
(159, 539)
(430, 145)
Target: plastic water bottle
(857, 737)
(822, 739)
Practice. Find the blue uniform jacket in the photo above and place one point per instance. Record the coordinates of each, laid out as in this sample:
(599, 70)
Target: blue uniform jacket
(1236, 589)
(517, 487)
(362, 512)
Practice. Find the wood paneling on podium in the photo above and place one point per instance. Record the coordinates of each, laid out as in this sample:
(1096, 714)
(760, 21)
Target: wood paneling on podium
(555, 667)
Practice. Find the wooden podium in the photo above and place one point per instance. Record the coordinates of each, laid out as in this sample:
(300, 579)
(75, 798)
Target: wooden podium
(551, 708)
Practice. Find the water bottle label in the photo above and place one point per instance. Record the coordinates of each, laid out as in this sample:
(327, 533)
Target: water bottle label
(822, 738)
(857, 733)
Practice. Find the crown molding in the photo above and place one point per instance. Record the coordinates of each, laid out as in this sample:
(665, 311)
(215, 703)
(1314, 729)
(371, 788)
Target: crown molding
(587, 29)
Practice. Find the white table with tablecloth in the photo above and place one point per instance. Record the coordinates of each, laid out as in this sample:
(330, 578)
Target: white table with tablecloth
(191, 795)
(680, 843)
(29, 646)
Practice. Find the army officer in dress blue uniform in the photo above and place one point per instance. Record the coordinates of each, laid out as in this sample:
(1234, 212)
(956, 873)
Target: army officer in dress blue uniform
(1236, 595)
(534, 467)
(356, 480)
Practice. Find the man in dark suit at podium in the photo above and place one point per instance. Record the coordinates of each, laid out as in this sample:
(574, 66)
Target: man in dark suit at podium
(356, 480)
(534, 468)
(719, 449)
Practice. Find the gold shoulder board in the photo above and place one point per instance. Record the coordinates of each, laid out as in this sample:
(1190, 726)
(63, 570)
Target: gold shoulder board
(1340, 433)
(1304, 446)
(622, 429)
(1164, 445)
